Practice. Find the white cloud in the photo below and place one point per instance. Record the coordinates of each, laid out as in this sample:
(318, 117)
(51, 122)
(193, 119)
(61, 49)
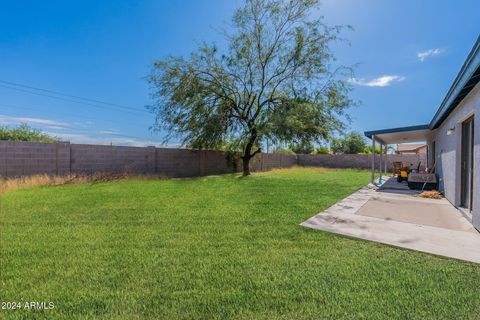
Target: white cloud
(109, 131)
(422, 55)
(52, 124)
(101, 138)
(383, 81)
(86, 139)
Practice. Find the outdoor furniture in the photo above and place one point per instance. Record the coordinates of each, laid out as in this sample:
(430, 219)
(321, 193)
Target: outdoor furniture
(406, 171)
(403, 175)
(397, 166)
(417, 169)
(422, 181)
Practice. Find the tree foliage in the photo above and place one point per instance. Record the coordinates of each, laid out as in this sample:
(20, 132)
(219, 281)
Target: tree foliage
(351, 143)
(274, 81)
(322, 150)
(24, 132)
(303, 147)
(284, 151)
(385, 149)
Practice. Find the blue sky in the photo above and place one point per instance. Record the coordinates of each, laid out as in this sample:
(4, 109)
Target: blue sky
(408, 53)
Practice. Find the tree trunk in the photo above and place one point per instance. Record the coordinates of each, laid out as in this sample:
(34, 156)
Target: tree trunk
(246, 166)
(247, 153)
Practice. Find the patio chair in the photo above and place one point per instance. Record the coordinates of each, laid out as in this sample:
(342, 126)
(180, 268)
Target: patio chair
(397, 167)
(418, 167)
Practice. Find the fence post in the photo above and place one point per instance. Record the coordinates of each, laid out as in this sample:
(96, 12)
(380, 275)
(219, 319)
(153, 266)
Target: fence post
(56, 158)
(202, 158)
(155, 170)
(70, 159)
(152, 161)
(3, 158)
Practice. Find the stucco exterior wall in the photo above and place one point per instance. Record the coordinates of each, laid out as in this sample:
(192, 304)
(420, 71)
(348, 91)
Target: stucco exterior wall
(448, 152)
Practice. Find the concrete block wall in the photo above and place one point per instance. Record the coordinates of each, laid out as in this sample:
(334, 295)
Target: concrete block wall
(362, 161)
(95, 158)
(255, 163)
(178, 162)
(217, 162)
(29, 158)
(272, 161)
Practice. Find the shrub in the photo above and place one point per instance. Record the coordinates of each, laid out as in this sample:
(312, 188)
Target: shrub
(322, 150)
(24, 132)
(303, 147)
(284, 151)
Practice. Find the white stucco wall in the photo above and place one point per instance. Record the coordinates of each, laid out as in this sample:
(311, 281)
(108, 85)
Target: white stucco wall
(448, 152)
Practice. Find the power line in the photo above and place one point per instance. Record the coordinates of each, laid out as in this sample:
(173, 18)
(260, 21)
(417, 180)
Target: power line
(110, 135)
(69, 98)
(65, 94)
(76, 116)
(76, 130)
(70, 95)
(74, 99)
(69, 126)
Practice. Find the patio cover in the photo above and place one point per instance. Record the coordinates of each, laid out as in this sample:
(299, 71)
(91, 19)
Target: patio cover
(394, 136)
(400, 135)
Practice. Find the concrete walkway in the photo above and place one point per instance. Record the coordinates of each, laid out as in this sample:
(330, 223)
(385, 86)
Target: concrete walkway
(402, 220)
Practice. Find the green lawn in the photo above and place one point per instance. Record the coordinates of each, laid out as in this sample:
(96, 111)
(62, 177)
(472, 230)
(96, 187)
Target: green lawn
(214, 247)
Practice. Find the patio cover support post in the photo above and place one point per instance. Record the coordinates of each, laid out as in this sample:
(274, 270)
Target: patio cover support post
(380, 160)
(373, 160)
(386, 160)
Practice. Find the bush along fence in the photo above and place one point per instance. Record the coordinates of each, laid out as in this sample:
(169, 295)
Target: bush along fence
(62, 158)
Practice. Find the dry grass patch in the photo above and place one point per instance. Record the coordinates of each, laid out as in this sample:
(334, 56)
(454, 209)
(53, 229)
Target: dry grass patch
(34, 181)
(54, 180)
(434, 194)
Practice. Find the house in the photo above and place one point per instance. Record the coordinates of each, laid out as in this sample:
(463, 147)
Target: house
(452, 138)
(411, 148)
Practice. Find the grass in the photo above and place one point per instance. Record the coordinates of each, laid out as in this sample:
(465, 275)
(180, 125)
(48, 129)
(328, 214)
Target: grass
(214, 248)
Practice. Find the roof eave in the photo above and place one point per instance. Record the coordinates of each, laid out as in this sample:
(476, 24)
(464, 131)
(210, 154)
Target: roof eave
(469, 68)
(370, 134)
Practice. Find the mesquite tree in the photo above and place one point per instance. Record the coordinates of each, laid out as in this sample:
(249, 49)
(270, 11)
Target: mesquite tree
(273, 81)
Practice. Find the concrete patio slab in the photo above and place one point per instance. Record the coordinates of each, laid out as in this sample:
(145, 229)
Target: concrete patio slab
(392, 186)
(406, 221)
(434, 213)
